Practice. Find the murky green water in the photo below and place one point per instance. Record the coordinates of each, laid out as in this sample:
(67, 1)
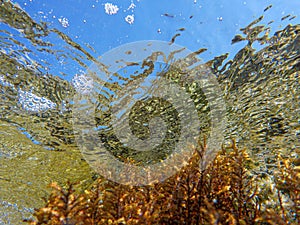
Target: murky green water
(37, 145)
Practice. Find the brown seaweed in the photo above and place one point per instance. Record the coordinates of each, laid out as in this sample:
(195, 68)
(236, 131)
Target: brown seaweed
(225, 193)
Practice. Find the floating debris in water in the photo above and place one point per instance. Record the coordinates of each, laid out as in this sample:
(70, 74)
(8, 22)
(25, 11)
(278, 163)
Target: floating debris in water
(181, 29)
(173, 38)
(168, 15)
(111, 9)
(285, 17)
(199, 51)
(292, 18)
(267, 8)
(64, 22)
(129, 19)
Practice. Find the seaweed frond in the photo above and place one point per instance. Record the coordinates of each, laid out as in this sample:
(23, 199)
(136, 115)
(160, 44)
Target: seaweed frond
(226, 192)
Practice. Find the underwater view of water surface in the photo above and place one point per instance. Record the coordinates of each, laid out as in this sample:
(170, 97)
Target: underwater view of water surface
(82, 80)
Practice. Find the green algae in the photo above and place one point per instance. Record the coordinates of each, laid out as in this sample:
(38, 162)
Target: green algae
(26, 170)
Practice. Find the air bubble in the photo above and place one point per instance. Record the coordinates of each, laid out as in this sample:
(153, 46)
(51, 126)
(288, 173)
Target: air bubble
(129, 19)
(64, 22)
(111, 9)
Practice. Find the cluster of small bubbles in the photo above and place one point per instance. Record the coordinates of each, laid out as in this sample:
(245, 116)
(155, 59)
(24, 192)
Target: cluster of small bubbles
(4, 82)
(34, 103)
(63, 107)
(64, 22)
(61, 61)
(82, 83)
(220, 18)
(111, 9)
(159, 31)
(131, 6)
(43, 14)
(129, 19)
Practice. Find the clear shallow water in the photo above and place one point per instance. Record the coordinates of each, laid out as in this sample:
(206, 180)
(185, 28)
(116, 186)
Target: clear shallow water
(37, 143)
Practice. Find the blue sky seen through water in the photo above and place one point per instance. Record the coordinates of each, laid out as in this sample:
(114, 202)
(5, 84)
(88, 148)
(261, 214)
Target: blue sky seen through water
(208, 24)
